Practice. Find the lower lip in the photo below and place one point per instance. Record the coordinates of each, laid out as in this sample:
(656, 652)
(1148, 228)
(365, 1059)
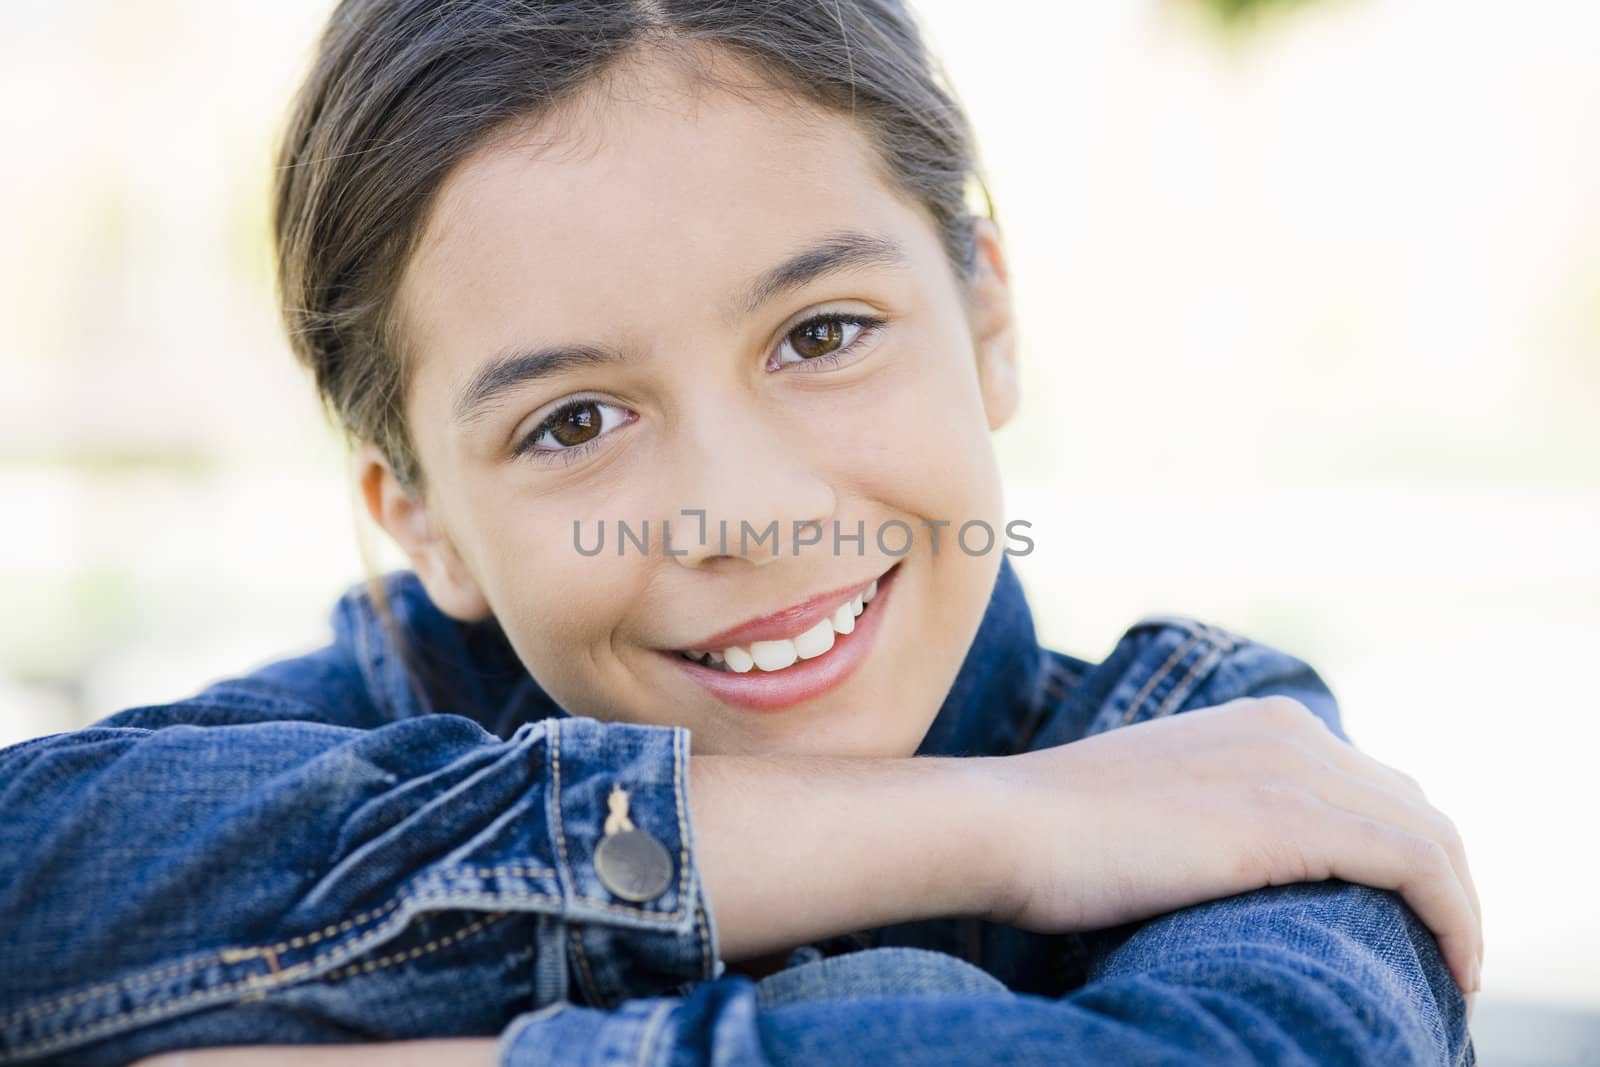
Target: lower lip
(805, 679)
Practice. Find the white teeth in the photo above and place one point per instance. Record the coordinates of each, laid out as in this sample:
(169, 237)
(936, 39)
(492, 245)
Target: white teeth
(774, 655)
(815, 641)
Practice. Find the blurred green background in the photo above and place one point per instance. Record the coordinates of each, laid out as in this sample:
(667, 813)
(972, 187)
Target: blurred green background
(1310, 300)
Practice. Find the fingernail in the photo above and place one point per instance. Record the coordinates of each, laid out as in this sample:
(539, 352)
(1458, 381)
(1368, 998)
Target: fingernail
(1476, 982)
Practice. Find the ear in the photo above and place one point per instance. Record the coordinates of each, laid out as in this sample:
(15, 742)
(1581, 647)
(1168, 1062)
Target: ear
(450, 586)
(993, 321)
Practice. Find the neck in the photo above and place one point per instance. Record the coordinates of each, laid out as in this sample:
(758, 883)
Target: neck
(988, 708)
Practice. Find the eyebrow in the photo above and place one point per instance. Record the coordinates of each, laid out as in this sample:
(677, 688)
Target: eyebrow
(837, 253)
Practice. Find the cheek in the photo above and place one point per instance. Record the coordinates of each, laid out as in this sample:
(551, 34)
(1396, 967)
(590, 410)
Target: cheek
(544, 579)
(562, 618)
(920, 441)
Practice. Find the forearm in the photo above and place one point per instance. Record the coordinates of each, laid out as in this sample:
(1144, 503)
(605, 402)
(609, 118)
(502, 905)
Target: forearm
(793, 849)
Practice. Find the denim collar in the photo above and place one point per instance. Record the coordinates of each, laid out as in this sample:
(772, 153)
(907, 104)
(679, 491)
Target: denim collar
(471, 669)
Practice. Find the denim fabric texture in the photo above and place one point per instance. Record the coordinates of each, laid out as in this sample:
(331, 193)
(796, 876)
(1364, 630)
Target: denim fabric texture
(334, 848)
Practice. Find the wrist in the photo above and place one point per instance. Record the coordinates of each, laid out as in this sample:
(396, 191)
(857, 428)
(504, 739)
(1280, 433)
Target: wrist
(978, 828)
(791, 849)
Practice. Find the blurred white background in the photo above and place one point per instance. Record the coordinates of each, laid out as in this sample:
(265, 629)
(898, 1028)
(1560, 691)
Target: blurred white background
(1311, 315)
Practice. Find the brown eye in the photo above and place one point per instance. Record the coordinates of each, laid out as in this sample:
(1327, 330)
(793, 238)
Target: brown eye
(817, 337)
(825, 339)
(572, 429)
(576, 424)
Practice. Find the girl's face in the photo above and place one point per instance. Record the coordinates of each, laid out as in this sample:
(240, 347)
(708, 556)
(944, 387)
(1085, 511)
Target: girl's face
(613, 318)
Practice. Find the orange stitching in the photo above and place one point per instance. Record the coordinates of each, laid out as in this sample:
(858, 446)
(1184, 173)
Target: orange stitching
(643, 913)
(239, 955)
(561, 836)
(555, 792)
(440, 876)
(1156, 678)
(368, 966)
(680, 756)
(278, 975)
(255, 981)
(1179, 692)
(227, 955)
(705, 942)
(679, 735)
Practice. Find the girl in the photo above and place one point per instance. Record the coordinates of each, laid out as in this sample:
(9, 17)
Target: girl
(671, 350)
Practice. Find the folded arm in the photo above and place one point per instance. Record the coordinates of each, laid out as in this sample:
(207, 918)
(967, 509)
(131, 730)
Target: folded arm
(1316, 973)
(159, 886)
(220, 871)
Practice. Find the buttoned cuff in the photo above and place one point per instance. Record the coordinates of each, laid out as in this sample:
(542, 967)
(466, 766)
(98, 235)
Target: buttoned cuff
(620, 948)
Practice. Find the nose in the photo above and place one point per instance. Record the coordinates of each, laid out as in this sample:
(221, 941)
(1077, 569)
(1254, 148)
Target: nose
(760, 483)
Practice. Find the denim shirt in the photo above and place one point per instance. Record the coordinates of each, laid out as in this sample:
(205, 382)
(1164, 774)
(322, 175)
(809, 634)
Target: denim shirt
(334, 848)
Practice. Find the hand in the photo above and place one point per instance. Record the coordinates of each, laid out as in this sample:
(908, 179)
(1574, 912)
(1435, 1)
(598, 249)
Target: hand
(1157, 816)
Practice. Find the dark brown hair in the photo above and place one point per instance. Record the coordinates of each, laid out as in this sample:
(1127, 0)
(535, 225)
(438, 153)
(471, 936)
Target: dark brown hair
(399, 91)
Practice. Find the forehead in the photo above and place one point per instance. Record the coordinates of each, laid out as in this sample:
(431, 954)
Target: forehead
(647, 191)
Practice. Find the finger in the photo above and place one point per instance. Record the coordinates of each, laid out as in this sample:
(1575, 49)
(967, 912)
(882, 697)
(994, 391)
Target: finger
(1379, 854)
(1361, 797)
(1353, 760)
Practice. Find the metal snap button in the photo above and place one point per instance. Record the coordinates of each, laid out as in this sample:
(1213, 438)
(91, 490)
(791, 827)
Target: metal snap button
(630, 862)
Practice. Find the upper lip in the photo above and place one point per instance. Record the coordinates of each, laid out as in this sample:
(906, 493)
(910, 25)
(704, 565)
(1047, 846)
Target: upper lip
(787, 622)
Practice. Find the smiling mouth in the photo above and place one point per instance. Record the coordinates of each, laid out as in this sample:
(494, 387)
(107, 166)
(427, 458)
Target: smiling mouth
(780, 653)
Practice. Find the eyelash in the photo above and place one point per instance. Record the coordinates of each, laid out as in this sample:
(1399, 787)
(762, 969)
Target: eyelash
(558, 455)
(870, 325)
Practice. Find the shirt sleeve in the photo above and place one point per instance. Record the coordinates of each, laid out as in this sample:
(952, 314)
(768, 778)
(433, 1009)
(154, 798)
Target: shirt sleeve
(1313, 973)
(289, 880)
(1317, 974)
